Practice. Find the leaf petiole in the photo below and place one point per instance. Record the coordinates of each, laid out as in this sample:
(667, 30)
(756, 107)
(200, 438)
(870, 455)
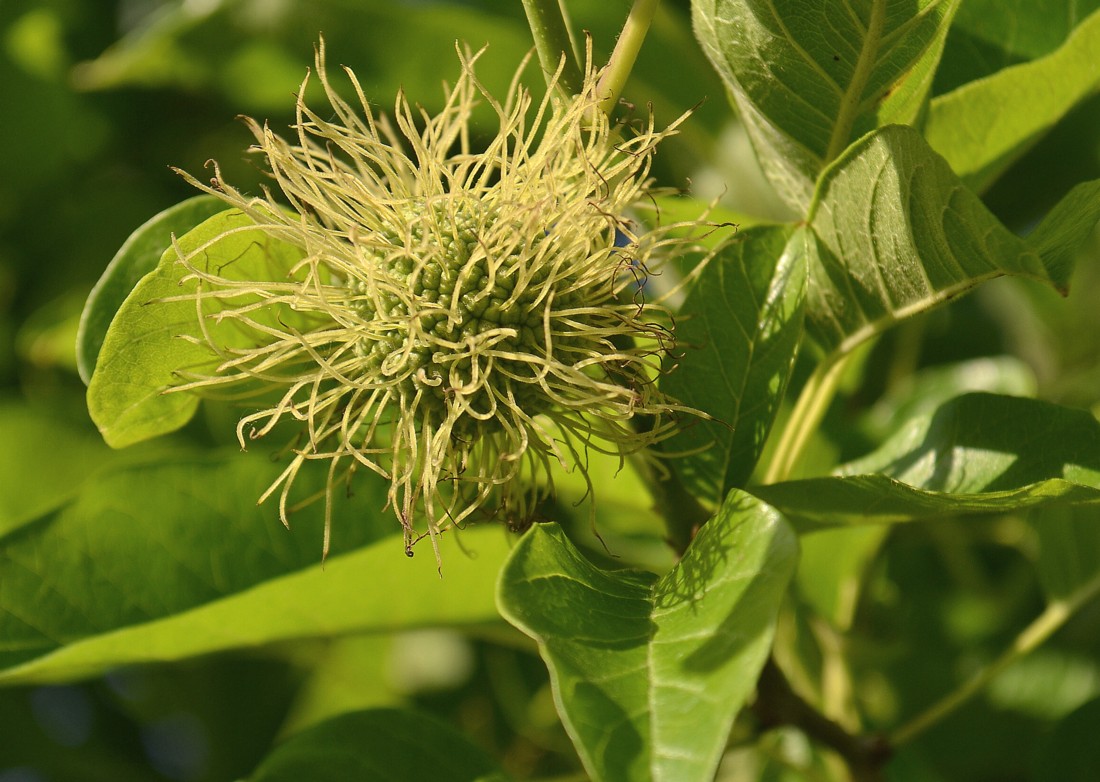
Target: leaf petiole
(626, 52)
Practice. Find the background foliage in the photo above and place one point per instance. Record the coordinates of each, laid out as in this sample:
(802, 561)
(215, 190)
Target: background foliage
(156, 624)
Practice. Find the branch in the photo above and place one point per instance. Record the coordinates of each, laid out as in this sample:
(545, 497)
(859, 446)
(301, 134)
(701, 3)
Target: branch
(778, 704)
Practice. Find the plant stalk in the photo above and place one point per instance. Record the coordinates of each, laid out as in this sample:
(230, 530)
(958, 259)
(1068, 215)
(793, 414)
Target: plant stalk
(553, 43)
(626, 53)
(1045, 625)
(778, 704)
(812, 404)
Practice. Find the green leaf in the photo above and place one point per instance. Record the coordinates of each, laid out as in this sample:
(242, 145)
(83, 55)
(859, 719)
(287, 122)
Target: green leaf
(378, 745)
(926, 389)
(898, 234)
(832, 568)
(387, 745)
(167, 561)
(1058, 238)
(739, 329)
(985, 125)
(989, 35)
(144, 348)
(808, 79)
(1069, 548)
(43, 462)
(137, 257)
(978, 453)
(648, 673)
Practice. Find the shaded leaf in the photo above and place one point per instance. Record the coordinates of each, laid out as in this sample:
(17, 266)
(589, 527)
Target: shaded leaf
(167, 561)
(989, 35)
(1058, 238)
(380, 745)
(648, 673)
(832, 568)
(137, 257)
(1070, 752)
(146, 347)
(926, 389)
(43, 462)
(740, 328)
(808, 79)
(898, 234)
(1069, 548)
(983, 126)
(978, 453)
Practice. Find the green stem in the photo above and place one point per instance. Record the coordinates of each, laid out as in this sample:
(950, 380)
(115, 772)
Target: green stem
(626, 52)
(546, 18)
(1045, 625)
(812, 403)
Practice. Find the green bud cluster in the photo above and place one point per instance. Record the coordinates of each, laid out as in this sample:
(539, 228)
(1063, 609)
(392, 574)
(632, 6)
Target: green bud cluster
(472, 325)
(454, 278)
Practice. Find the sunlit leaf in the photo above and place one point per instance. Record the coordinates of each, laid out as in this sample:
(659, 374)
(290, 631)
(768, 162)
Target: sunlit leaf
(648, 672)
(898, 234)
(146, 347)
(978, 453)
(137, 257)
(809, 79)
(1058, 238)
(167, 561)
(989, 35)
(983, 126)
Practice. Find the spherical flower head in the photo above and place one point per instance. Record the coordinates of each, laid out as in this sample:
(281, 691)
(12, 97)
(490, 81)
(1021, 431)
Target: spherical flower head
(474, 317)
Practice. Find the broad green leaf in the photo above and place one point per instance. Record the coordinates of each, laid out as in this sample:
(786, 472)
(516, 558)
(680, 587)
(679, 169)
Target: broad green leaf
(145, 347)
(983, 126)
(834, 562)
(809, 79)
(137, 257)
(739, 330)
(167, 561)
(649, 673)
(379, 745)
(978, 453)
(898, 234)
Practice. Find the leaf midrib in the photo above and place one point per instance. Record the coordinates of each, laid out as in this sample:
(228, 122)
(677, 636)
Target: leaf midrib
(851, 100)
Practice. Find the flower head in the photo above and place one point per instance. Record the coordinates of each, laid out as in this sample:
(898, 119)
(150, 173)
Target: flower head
(473, 317)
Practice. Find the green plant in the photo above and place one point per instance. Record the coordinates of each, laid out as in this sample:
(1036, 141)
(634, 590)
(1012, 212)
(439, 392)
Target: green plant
(793, 517)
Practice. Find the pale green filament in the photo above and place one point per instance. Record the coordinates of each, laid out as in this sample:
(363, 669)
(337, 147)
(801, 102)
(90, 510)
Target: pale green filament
(472, 320)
